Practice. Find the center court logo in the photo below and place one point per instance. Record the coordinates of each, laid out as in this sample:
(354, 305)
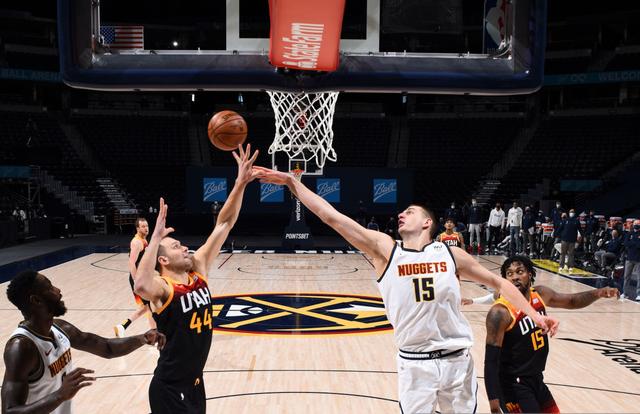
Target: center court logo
(299, 314)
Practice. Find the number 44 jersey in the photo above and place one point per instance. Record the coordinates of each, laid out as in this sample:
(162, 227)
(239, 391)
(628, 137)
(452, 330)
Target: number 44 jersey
(421, 293)
(186, 319)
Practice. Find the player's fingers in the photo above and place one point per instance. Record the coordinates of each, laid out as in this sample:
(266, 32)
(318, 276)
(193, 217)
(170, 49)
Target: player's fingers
(254, 157)
(241, 150)
(169, 230)
(235, 155)
(247, 152)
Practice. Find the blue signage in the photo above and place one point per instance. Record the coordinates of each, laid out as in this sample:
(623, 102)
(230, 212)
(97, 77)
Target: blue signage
(592, 77)
(385, 190)
(214, 189)
(329, 189)
(271, 193)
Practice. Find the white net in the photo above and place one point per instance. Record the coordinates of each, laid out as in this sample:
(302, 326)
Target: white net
(304, 124)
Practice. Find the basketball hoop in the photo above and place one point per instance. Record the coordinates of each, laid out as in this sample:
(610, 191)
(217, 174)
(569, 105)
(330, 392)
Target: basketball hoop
(304, 124)
(297, 173)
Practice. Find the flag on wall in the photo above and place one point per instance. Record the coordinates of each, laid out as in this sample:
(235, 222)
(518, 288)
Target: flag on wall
(123, 37)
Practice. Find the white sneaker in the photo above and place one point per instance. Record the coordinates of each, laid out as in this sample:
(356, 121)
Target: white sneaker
(638, 297)
(119, 330)
(622, 296)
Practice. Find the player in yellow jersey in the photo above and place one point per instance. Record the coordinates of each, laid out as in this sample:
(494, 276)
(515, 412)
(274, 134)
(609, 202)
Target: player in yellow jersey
(136, 249)
(451, 237)
(516, 349)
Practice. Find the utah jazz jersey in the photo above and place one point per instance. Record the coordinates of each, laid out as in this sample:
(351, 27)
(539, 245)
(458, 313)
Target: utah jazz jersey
(55, 354)
(524, 348)
(145, 243)
(421, 294)
(186, 320)
(452, 239)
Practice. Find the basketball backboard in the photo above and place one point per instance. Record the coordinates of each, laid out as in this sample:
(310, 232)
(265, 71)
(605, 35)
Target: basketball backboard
(398, 64)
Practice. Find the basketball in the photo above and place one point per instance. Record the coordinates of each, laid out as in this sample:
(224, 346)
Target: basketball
(227, 129)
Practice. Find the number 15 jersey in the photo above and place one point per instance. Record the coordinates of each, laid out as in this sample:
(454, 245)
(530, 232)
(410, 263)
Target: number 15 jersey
(421, 293)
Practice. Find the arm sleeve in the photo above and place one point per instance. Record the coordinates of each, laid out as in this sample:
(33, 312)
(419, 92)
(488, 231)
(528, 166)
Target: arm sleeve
(484, 300)
(491, 371)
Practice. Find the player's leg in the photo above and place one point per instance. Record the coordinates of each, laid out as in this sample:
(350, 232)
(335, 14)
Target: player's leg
(167, 398)
(519, 396)
(459, 387)
(418, 382)
(545, 398)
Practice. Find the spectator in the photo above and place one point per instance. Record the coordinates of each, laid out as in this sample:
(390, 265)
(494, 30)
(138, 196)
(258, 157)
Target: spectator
(453, 212)
(568, 233)
(372, 225)
(514, 221)
(632, 264)
(556, 215)
(592, 224)
(496, 224)
(547, 237)
(610, 251)
(475, 222)
(529, 227)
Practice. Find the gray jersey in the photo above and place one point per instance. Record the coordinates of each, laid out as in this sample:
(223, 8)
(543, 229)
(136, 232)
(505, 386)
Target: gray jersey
(421, 293)
(55, 354)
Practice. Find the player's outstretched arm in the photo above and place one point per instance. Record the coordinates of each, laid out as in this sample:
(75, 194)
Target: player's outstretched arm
(206, 254)
(498, 319)
(147, 284)
(375, 244)
(470, 269)
(574, 300)
(20, 359)
(109, 347)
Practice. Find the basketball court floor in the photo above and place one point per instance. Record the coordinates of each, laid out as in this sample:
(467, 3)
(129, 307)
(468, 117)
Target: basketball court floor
(306, 333)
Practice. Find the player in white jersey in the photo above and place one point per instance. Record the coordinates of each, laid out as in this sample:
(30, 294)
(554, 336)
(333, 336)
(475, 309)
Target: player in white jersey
(39, 377)
(419, 285)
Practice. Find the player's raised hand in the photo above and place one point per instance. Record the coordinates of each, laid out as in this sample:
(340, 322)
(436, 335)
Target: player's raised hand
(270, 176)
(245, 161)
(160, 230)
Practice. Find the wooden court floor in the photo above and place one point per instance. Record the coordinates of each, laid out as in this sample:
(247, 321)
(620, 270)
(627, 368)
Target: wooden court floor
(589, 367)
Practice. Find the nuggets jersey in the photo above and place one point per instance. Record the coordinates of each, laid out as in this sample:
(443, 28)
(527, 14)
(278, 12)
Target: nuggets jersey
(186, 320)
(452, 239)
(524, 348)
(55, 354)
(421, 294)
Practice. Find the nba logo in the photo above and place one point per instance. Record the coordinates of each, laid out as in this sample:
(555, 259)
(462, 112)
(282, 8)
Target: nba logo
(214, 189)
(385, 190)
(329, 189)
(271, 193)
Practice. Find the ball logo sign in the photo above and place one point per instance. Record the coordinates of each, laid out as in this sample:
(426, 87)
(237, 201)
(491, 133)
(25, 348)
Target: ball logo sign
(214, 189)
(329, 189)
(299, 314)
(385, 190)
(271, 193)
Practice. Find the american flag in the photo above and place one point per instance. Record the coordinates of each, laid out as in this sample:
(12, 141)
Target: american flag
(123, 37)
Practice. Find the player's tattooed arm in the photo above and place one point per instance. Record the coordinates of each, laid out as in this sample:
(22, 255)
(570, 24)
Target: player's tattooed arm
(574, 300)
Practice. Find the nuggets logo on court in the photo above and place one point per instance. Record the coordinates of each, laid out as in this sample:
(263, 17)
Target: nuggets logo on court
(299, 314)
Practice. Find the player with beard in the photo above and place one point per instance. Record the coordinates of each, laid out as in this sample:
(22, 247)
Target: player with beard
(417, 278)
(39, 377)
(516, 350)
(181, 300)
